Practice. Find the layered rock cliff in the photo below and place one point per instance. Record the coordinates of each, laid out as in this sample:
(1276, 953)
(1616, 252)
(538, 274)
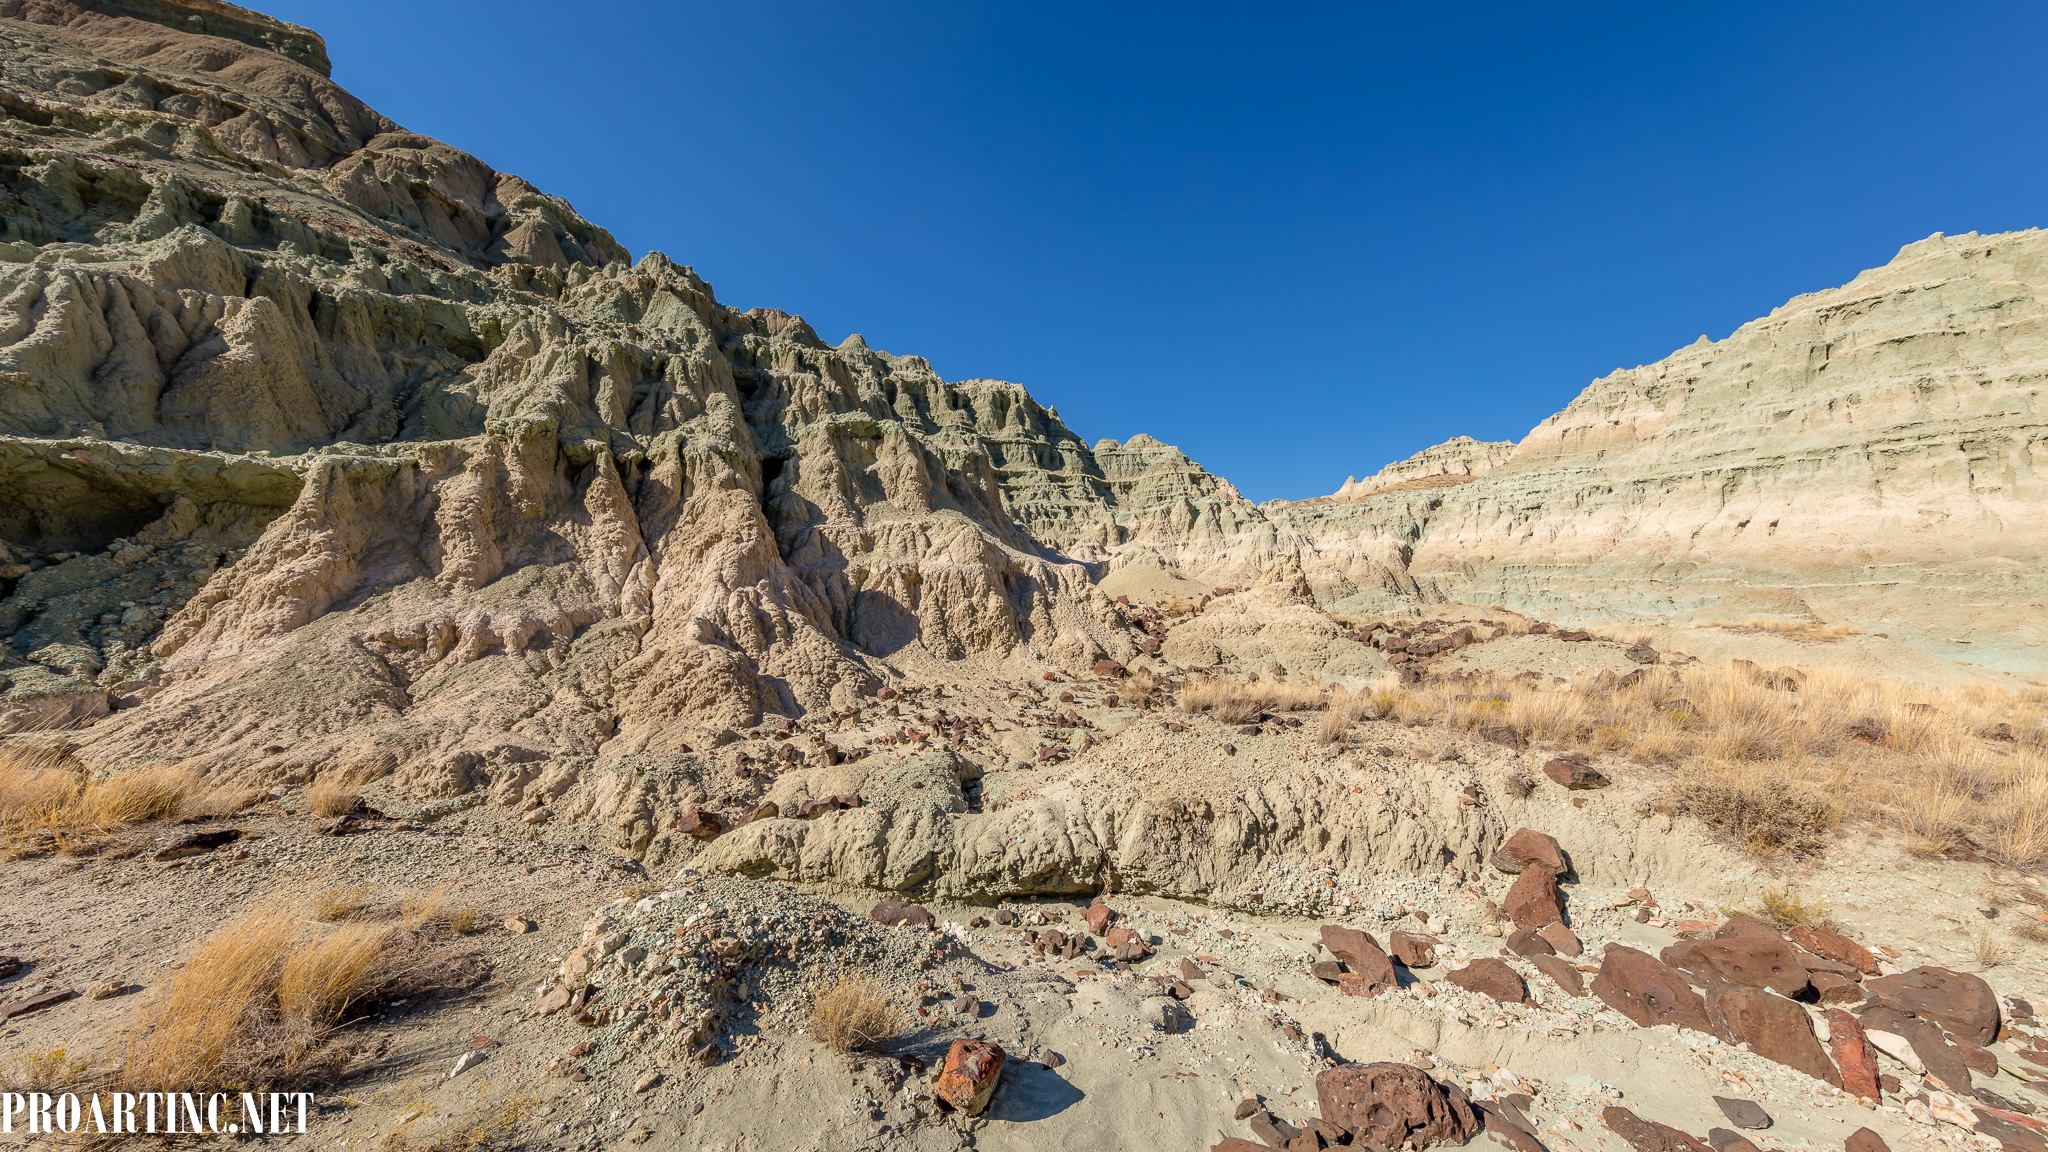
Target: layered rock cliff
(323, 443)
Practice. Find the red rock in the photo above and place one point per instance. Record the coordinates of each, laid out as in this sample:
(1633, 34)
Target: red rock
(1853, 1055)
(1864, 1140)
(700, 824)
(968, 1077)
(1834, 988)
(1507, 1130)
(1561, 971)
(1533, 899)
(1648, 1135)
(1649, 991)
(1574, 773)
(1491, 977)
(1743, 925)
(1362, 955)
(1098, 917)
(1528, 942)
(1388, 1105)
(1944, 1061)
(1412, 949)
(1528, 846)
(895, 910)
(1833, 945)
(1561, 939)
(1961, 1003)
(1107, 669)
(1328, 971)
(1747, 961)
(1773, 1027)
(1125, 944)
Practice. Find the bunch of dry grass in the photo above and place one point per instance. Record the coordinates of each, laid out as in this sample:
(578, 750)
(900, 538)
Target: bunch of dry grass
(54, 1070)
(1346, 708)
(334, 794)
(1243, 701)
(1780, 759)
(46, 791)
(854, 1014)
(1792, 629)
(1136, 689)
(1788, 909)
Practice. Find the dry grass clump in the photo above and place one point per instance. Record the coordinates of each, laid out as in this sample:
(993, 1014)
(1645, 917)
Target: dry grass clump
(1792, 629)
(1243, 701)
(1780, 759)
(341, 902)
(45, 792)
(1787, 909)
(1346, 708)
(854, 1015)
(259, 1003)
(1136, 689)
(53, 1071)
(334, 794)
(1989, 950)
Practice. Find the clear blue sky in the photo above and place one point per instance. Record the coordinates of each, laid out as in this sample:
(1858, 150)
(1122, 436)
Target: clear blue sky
(1297, 242)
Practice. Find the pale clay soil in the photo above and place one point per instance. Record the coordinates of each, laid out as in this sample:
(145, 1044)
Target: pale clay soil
(1121, 1080)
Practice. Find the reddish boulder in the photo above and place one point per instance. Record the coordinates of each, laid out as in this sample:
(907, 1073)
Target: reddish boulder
(1362, 955)
(1648, 1135)
(1835, 988)
(1574, 773)
(1491, 977)
(1853, 1055)
(700, 824)
(1561, 971)
(1098, 916)
(1959, 1002)
(1942, 1060)
(1533, 899)
(1388, 1105)
(1746, 961)
(1561, 939)
(1741, 924)
(1834, 946)
(1412, 949)
(1125, 944)
(1774, 1028)
(1528, 942)
(968, 1077)
(1864, 1140)
(894, 910)
(1528, 846)
(1649, 991)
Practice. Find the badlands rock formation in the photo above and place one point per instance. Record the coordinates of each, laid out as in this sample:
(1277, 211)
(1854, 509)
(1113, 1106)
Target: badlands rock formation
(1871, 454)
(325, 444)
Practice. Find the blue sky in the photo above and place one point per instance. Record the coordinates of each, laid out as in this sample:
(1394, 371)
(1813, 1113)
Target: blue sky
(1298, 242)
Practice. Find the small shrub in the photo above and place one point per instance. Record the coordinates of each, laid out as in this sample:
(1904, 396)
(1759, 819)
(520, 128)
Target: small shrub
(1136, 689)
(1520, 784)
(344, 902)
(1788, 910)
(854, 1015)
(334, 794)
(52, 1071)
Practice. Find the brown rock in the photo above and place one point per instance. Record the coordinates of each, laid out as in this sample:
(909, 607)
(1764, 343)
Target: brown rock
(1943, 1060)
(1561, 939)
(1561, 972)
(700, 824)
(1270, 1128)
(1835, 988)
(1491, 977)
(1505, 736)
(1191, 971)
(1529, 942)
(1126, 944)
(1746, 961)
(1362, 955)
(1864, 1140)
(1961, 1003)
(1098, 917)
(1237, 1144)
(1525, 847)
(1743, 925)
(1533, 899)
(1412, 948)
(1773, 1027)
(1833, 945)
(1574, 773)
(894, 910)
(968, 1077)
(1853, 1055)
(1327, 970)
(1507, 1129)
(1648, 1135)
(1387, 1105)
(1649, 991)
